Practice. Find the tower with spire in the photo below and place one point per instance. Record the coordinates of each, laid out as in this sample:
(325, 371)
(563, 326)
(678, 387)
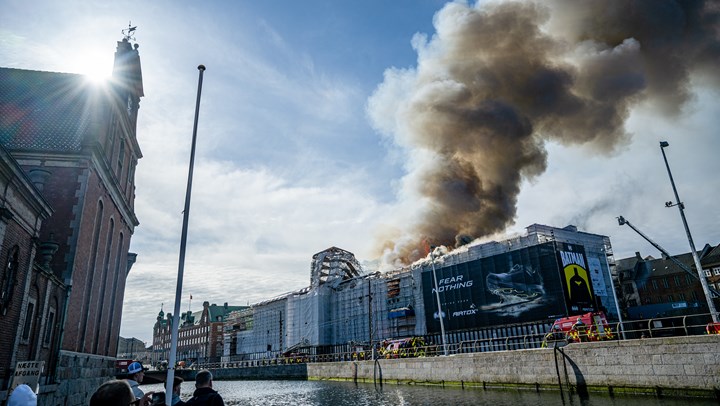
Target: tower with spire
(76, 142)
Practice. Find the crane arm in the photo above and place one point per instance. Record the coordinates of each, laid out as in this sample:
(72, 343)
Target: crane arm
(623, 222)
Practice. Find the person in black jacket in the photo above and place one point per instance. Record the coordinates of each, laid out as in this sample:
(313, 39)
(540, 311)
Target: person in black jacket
(204, 394)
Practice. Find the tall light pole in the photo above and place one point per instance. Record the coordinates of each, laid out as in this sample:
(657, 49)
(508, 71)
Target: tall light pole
(693, 251)
(370, 318)
(437, 297)
(183, 244)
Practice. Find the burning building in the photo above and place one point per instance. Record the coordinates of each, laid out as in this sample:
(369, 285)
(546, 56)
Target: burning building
(494, 289)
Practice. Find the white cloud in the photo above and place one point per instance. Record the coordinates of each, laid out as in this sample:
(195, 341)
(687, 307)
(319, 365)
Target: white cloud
(287, 164)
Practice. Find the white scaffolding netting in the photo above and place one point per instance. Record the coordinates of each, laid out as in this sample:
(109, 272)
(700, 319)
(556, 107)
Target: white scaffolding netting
(345, 307)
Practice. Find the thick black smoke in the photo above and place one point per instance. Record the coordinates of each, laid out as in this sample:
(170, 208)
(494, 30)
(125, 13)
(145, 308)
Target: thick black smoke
(499, 79)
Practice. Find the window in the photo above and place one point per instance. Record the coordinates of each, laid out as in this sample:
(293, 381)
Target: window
(29, 314)
(655, 284)
(666, 283)
(716, 271)
(688, 279)
(677, 280)
(131, 177)
(8, 279)
(49, 327)
(708, 273)
(121, 157)
(681, 297)
(694, 295)
(670, 298)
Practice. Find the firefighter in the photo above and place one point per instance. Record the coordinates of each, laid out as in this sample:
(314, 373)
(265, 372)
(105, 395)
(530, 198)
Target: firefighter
(579, 330)
(553, 337)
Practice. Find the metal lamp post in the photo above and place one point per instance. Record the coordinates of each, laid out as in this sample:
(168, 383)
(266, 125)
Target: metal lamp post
(437, 297)
(693, 251)
(183, 243)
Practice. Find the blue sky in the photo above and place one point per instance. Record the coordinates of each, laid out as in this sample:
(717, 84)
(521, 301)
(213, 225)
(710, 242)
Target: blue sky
(294, 154)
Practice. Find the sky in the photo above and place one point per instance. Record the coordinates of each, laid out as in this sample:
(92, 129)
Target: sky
(318, 128)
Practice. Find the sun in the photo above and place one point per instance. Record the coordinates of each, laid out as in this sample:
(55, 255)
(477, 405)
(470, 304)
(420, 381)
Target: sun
(96, 66)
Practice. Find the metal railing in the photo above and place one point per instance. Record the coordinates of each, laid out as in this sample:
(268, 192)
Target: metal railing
(629, 330)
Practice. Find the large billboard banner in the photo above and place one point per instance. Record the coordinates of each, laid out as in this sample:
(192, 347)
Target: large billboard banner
(514, 287)
(577, 282)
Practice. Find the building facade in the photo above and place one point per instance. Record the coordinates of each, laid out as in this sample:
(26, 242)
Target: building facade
(200, 334)
(493, 289)
(661, 287)
(31, 296)
(76, 141)
(133, 348)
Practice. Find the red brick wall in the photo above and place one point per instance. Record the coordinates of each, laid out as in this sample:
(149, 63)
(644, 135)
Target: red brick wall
(10, 322)
(97, 289)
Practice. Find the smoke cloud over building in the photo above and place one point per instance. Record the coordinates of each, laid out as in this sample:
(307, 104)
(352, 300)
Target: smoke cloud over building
(500, 79)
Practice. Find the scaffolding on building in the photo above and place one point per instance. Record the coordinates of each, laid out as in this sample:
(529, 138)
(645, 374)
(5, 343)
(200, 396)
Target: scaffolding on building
(345, 307)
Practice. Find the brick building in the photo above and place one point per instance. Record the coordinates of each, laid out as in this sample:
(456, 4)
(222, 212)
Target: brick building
(31, 296)
(710, 263)
(200, 334)
(76, 140)
(651, 287)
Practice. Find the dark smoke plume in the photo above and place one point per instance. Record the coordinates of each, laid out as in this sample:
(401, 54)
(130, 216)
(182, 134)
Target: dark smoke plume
(500, 79)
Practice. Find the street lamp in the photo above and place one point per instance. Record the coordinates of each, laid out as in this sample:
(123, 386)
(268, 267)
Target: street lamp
(693, 251)
(437, 297)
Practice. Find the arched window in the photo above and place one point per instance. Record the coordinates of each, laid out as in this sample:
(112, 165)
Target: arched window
(101, 299)
(9, 276)
(113, 294)
(90, 276)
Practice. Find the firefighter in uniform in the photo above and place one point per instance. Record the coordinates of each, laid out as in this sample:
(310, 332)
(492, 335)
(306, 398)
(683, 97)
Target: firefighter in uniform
(553, 337)
(579, 331)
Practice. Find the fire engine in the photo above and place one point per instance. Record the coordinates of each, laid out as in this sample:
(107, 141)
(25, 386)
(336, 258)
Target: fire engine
(596, 327)
(403, 348)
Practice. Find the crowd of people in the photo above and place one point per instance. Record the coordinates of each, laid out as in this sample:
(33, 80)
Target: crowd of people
(124, 392)
(127, 392)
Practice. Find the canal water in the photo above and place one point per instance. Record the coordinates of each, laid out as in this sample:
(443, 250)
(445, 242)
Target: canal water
(329, 393)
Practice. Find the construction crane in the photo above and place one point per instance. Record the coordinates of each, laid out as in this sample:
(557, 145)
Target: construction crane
(623, 222)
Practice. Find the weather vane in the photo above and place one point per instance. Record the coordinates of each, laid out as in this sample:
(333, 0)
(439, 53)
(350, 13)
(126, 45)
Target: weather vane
(129, 33)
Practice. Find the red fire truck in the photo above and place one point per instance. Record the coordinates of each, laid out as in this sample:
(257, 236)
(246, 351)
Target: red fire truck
(596, 327)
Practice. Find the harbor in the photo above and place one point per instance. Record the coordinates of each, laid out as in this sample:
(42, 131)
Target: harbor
(669, 367)
(327, 393)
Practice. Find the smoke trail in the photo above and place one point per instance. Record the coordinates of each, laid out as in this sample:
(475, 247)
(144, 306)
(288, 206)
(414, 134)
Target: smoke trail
(499, 79)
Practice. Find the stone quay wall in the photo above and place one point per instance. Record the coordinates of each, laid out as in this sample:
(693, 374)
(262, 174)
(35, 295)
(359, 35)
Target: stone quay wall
(675, 366)
(280, 372)
(78, 376)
